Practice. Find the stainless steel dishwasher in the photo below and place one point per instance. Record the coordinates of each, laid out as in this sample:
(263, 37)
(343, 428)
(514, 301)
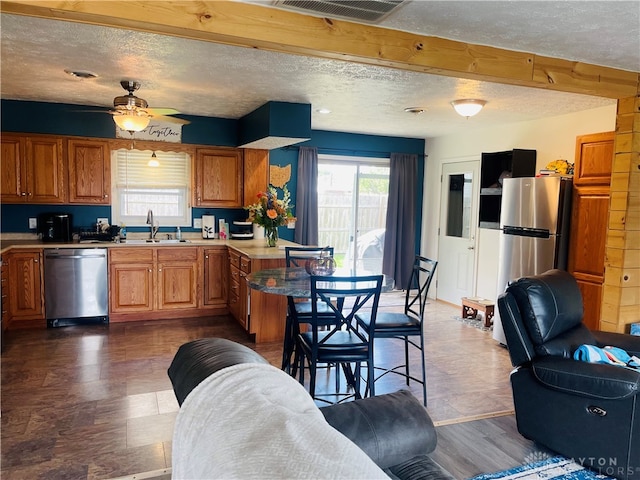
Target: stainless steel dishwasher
(75, 286)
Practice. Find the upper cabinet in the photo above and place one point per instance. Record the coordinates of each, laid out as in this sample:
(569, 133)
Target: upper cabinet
(494, 168)
(32, 169)
(218, 178)
(89, 171)
(256, 174)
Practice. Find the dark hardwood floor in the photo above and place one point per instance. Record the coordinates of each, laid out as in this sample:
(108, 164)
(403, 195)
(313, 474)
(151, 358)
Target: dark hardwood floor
(95, 402)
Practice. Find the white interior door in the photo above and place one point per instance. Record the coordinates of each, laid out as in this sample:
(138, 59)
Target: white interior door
(457, 231)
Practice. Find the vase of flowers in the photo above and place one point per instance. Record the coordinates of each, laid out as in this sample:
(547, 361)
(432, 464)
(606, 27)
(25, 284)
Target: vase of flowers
(271, 212)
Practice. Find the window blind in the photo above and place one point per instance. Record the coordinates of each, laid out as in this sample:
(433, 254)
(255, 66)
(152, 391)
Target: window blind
(133, 169)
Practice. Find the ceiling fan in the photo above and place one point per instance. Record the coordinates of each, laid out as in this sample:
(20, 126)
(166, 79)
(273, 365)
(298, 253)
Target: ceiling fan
(133, 114)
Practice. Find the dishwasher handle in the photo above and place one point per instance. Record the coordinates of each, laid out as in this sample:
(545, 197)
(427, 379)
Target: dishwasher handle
(57, 256)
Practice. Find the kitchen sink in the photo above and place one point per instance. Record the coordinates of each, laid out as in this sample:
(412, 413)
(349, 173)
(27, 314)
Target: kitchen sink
(154, 241)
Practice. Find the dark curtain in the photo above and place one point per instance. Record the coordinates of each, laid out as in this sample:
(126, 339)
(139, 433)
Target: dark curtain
(399, 238)
(306, 232)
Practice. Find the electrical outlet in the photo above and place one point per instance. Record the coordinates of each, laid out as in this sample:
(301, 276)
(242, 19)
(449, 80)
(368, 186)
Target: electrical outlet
(102, 220)
(33, 223)
(197, 223)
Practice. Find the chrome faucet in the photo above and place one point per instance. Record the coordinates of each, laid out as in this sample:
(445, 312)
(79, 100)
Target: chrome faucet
(154, 227)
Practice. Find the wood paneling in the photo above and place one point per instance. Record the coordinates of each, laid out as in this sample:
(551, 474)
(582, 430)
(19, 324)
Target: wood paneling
(256, 174)
(253, 26)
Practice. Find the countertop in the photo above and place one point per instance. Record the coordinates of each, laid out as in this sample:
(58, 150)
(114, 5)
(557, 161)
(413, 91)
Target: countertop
(255, 248)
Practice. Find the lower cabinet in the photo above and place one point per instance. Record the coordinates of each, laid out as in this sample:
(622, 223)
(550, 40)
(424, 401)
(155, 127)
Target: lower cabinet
(261, 314)
(216, 277)
(24, 294)
(148, 283)
(239, 267)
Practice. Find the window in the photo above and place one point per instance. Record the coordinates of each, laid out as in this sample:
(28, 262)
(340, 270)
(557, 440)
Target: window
(352, 208)
(139, 187)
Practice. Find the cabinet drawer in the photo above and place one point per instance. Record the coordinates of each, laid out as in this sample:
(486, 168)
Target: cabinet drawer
(235, 275)
(177, 254)
(234, 259)
(131, 255)
(245, 264)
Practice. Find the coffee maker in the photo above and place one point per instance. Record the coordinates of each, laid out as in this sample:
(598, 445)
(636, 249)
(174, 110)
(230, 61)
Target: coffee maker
(55, 227)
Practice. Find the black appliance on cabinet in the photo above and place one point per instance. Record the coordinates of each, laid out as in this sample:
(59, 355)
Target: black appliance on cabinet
(55, 227)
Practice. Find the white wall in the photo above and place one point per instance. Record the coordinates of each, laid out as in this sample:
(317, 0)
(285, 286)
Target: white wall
(552, 138)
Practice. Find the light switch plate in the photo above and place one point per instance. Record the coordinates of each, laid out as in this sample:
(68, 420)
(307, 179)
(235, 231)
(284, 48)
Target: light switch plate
(33, 223)
(197, 223)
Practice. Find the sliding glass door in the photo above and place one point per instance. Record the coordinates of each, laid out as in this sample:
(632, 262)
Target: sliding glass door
(352, 209)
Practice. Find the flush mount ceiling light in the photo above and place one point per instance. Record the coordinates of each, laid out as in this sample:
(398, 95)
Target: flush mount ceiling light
(81, 74)
(468, 107)
(131, 121)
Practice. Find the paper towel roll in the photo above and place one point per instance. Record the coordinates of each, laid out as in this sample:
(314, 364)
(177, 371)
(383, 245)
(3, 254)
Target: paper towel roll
(258, 231)
(208, 226)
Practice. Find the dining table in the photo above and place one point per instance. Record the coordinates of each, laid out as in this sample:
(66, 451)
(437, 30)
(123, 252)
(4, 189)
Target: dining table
(295, 282)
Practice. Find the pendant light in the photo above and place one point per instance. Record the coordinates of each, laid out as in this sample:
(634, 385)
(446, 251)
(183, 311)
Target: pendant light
(153, 161)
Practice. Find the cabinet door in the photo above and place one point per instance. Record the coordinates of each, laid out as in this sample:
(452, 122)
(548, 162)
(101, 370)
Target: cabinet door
(46, 177)
(589, 220)
(131, 273)
(131, 287)
(177, 280)
(25, 286)
(89, 172)
(13, 172)
(255, 174)
(218, 178)
(215, 277)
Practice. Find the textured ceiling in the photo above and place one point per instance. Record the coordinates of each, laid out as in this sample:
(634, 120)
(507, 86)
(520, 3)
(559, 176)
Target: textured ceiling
(200, 78)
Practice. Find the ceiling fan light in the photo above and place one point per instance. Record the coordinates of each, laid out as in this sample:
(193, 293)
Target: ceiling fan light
(468, 107)
(131, 122)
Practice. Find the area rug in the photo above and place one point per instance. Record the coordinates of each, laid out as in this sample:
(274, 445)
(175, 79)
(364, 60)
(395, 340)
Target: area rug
(477, 322)
(554, 468)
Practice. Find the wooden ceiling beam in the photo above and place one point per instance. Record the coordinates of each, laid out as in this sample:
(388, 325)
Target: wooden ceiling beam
(253, 26)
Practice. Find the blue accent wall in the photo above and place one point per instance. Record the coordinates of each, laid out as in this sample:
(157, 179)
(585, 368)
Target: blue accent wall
(77, 120)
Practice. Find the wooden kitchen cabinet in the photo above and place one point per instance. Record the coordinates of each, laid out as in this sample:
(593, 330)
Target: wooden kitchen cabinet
(255, 174)
(131, 273)
(239, 268)
(218, 177)
(216, 277)
(153, 282)
(177, 278)
(89, 171)
(25, 282)
(260, 314)
(32, 169)
(589, 220)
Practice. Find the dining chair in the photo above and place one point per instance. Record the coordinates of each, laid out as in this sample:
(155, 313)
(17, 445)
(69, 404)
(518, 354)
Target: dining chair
(341, 343)
(299, 309)
(407, 324)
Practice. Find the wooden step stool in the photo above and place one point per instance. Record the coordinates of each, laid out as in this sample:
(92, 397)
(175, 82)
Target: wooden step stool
(470, 307)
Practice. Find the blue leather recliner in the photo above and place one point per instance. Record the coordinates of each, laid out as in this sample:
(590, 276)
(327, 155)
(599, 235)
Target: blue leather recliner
(585, 411)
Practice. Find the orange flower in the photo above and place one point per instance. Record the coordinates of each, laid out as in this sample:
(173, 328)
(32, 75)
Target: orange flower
(272, 214)
(271, 282)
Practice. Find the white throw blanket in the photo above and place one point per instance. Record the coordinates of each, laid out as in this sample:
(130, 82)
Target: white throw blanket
(253, 421)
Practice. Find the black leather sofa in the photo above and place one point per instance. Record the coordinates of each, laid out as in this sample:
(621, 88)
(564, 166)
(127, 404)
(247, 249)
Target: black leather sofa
(585, 411)
(394, 430)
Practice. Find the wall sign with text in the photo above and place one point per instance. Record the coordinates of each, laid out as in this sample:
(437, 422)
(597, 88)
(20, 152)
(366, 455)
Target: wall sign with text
(157, 131)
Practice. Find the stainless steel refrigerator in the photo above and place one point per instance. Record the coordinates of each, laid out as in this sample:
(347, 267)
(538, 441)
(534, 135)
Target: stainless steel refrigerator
(534, 222)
